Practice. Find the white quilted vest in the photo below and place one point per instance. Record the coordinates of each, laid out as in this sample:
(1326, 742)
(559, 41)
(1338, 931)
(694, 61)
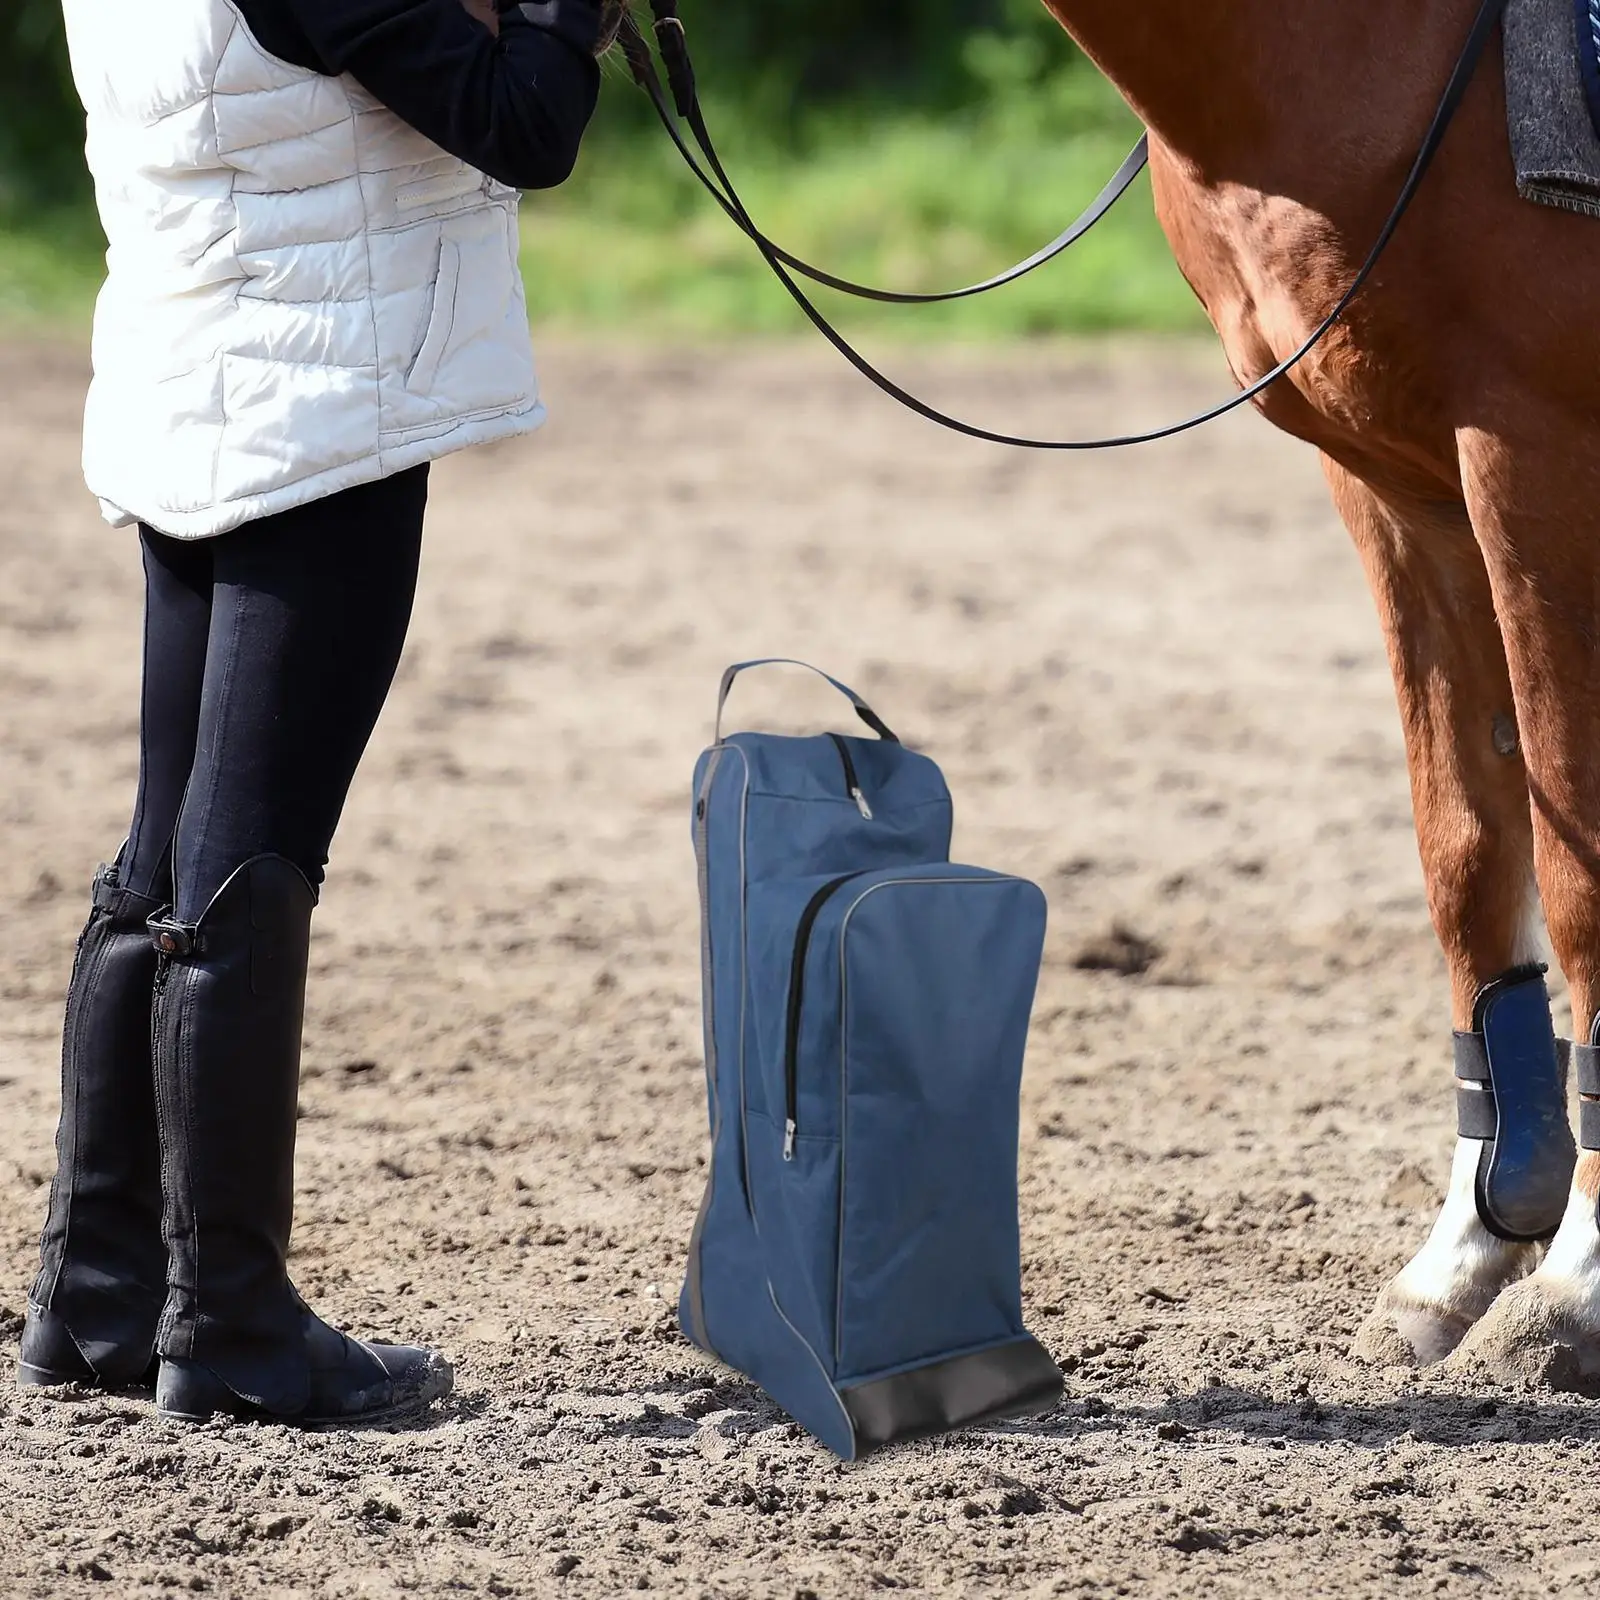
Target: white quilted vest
(304, 293)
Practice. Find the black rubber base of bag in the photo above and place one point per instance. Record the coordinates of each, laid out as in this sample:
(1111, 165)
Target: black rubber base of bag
(1010, 1380)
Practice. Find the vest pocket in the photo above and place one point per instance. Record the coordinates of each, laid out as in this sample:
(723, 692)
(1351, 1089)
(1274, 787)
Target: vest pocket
(452, 324)
(441, 319)
(440, 190)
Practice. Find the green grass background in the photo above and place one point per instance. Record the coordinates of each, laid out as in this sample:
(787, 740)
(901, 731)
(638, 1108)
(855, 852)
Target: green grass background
(906, 197)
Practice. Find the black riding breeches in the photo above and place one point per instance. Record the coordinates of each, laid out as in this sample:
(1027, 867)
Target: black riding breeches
(268, 654)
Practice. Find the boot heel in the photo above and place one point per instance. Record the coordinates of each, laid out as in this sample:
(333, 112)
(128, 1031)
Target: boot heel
(189, 1392)
(50, 1357)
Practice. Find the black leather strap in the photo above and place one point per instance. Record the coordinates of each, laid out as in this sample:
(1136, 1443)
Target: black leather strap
(673, 44)
(173, 938)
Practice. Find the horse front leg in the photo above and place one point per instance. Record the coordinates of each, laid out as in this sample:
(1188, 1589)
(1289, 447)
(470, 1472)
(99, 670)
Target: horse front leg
(1470, 797)
(1534, 504)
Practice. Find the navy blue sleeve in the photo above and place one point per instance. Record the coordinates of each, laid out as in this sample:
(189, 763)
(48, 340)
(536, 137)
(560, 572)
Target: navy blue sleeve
(515, 107)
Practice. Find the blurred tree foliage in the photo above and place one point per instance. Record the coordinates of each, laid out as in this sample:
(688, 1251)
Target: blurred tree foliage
(780, 59)
(41, 124)
(928, 52)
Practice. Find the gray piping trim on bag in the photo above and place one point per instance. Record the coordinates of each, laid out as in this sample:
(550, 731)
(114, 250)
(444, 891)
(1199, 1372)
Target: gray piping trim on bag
(697, 1304)
(702, 830)
(744, 1124)
(744, 979)
(844, 1065)
(844, 1410)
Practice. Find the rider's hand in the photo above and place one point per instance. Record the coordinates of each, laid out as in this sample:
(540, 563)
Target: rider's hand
(484, 11)
(587, 25)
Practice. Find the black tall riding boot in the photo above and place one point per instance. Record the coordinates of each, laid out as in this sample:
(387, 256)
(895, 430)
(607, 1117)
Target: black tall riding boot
(234, 1336)
(102, 1271)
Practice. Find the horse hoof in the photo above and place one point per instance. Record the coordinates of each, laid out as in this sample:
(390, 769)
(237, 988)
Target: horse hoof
(1535, 1336)
(1452, 1281)
(1403, 1332)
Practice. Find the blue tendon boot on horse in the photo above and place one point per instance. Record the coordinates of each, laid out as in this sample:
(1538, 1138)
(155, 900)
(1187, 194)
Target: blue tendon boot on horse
(235, 1338)
(1508, 1189)
(1542, 1329)
(102, 1272)
(1511, 1097)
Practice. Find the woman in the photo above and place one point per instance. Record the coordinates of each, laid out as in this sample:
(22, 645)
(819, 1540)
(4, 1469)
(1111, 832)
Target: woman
(312, 293)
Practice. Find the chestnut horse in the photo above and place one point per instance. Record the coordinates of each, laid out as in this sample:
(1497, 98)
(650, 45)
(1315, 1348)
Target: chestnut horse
(1456, 411)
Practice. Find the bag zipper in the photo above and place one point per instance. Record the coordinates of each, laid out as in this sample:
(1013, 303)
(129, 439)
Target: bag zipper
(851, 783)
(797, 993)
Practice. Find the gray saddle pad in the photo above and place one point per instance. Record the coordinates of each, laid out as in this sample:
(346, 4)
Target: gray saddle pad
(1553, 139)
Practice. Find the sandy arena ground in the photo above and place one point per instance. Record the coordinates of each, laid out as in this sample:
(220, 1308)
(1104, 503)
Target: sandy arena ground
(1156, 686)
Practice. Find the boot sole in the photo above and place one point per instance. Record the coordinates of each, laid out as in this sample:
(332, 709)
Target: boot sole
(366, 1419)
(30, 1376)
(442, 1383)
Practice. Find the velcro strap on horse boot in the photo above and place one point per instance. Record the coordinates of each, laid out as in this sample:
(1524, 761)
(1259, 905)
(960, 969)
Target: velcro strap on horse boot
(1586, 1063)
(1512, 1095)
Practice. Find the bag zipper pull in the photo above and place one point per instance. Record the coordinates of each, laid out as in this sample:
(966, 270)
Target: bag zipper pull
(789, 1131)
(852, 783)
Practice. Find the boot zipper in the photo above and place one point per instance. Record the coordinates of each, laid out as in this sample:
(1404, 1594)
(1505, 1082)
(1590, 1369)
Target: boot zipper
(158, 990)
(163, 974)
(851, 783)
(172, 939)
(797, 991)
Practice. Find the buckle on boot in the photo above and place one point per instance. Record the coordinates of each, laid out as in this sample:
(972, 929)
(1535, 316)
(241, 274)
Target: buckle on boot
(107, 881)
(1511, 1095)
(171, 937)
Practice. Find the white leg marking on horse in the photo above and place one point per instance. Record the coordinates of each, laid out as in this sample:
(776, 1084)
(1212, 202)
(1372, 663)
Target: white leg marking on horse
(1574, 1255)
(1428, 1309)
(1425, 1312)
(1533, 942)
(1546, 1329)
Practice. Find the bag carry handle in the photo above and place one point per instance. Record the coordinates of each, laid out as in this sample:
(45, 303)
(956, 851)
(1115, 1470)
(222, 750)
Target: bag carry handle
(863, 710)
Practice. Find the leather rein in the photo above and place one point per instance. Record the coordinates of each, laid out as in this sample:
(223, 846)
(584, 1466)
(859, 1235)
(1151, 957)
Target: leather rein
(684, 111)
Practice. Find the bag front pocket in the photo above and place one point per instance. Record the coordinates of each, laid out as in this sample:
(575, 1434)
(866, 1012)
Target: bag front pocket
(937, 975)
(797, 1217)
